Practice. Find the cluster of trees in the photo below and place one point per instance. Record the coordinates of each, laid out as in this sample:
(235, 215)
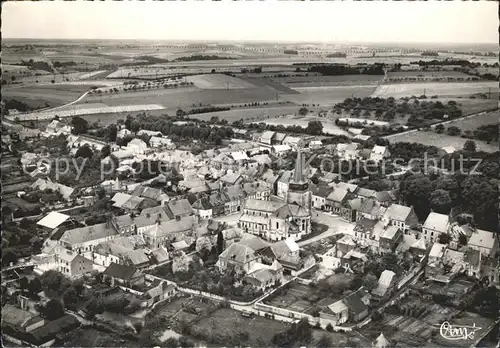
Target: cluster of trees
(409, 151)
(200, 57)
(337, 70)
(16, 105)
(487, 133)
(387, 109)
(475, 194)
(58, 64)
(37, 65)
(298, 334)
(447, 61)
(430, 54)
(313, 128)
(202, 110)
(200, 131)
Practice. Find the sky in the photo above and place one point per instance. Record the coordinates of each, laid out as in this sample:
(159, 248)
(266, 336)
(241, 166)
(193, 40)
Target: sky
(269, 20)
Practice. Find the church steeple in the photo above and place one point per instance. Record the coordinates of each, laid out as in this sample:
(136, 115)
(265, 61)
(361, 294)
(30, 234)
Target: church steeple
(298, 183)
(298, 174)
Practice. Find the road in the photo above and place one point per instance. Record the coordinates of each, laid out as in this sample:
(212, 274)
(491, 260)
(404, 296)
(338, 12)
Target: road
(335, 226)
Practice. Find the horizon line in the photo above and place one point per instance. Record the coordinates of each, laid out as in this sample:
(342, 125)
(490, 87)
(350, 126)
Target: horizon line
(256, 40)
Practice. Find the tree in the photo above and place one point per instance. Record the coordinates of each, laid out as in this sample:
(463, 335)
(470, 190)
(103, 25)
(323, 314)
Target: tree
(35, 286)
(329, 327)
(370, 282)
(23, 283)
(454, 131)
(470, 146)
(462, 239)
(171, 343)
(135, 126)
(8, 257)
(84, 152)
(444, 238)
(53, 310)
(70, 297)
(112, 132)
(439, 128)
(220, 243)
(53, 281)
(324, 342)
(303, 111)
(314, 128)
(105, 151)
(441, 201)
(80, 125)
(180, 113)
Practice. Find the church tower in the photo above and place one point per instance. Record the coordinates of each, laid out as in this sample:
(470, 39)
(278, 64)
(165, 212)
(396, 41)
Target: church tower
(298, 188)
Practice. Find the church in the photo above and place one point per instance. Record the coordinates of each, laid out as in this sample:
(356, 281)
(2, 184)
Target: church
(278, 219)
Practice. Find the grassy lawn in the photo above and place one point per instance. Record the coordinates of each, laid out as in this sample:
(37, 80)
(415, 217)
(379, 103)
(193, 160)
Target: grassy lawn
(89, 337)
(225, 323)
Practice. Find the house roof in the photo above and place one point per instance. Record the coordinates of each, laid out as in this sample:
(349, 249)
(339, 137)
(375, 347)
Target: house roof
(50, 330)
(267, 135)
(337, 195)
(437, 250)
(144, 220)
(371, 207)
(238, 252)
(180, 207)
(338, 307)
(137, 257)
(386, 277)
(120, 198)
(365, 225)
(231, 178)
(437, 222)
(160, 255)
(124, 272)
(473, 257)
(88, 233)
(384, 196)
(132, 203)
(281, 148)
(367, 193)
(354, 303)
(42, 184)
(379, 150)
(286, 176)
(389, 232)
(181, 245)
(320, 190)
(253, 242)
(171, 227)
(381, 342)
(482, 239)
(397, 212)
(262, 276)
(15, 316)
(53, 220)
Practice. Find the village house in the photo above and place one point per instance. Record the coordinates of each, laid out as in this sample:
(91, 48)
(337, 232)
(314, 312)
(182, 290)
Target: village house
(180, 208)
(166, 232)
(123, 275)
(122, 253)
(319, 196)
(16, 320)
(239, 257)
(435, 225)
(286, 252)
(82, 240)
(267, 137)
(352, 308)
(203, 208)
(47, 184)
(68, 262)
(263, 276)
(282, 183)
(337, 313)
(161, 143)
(386, 283)
(485, 242)
(379, 153)
(56, 128)
(401, 216)
(390, 239)
(370, 209)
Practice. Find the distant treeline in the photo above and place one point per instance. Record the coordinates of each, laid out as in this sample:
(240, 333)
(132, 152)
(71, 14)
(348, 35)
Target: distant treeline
(461, 62)
(200, 57)
(430, 54)
(291, 52)
(37, 65)
(336, 55)
(337, 70)
(58, 64)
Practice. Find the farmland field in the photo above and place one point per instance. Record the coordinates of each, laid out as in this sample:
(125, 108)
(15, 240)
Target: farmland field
(432, 138)
(427, 74)
(254, 114)
(474, 122)
(318, 80)
(218, 81)
(39, 96)
(439, 88)
(328, 95)
(186, 97)
(328, 125)
(266, 82)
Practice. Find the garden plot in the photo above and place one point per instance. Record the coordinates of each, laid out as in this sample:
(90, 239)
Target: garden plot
(87, 111)
(312, 80)
(431, 88)
(218, 81)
